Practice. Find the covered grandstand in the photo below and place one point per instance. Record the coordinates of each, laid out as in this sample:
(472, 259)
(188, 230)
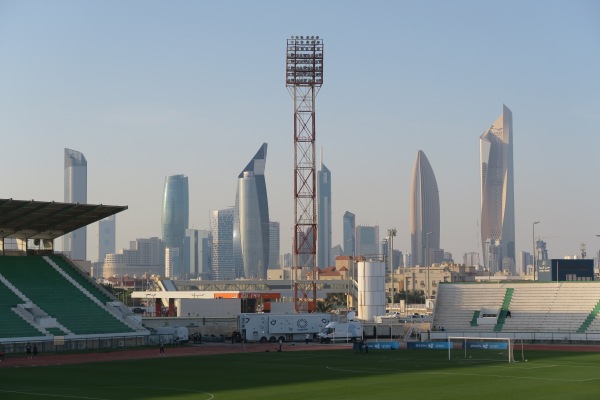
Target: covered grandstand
(45, 297)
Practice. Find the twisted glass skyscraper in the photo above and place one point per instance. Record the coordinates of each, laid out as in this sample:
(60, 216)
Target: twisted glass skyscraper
(251, 221)
(75, 242)
(497, 195)
(424, 212)
(175, 217)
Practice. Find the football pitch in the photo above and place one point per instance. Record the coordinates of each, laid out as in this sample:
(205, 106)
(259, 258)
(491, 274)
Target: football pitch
(338, 374)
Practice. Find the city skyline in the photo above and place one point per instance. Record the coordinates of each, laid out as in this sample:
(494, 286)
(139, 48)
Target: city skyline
(425, 76)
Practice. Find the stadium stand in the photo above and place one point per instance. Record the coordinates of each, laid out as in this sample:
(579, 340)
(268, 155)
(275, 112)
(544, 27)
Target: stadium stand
(13, 325)
(58, 297)
(551, 307)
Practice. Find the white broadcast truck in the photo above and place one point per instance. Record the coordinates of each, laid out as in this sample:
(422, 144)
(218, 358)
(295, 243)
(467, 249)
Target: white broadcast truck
(259, 327)
(350, 331)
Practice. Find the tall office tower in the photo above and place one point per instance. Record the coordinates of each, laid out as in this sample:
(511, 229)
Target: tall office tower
(424, 212)
(222, 244)
(541, 252)
(274, 241)
(205, 254)
(107, 237)
(497, 195)
(525, 259)
(175, 218)
(75, 243)
(173, 263)
(367, 241)
(251, 219)
(398, 259)
(349, 229)
(385, 250)
(408, 260)
(323, 216)
(191, 254)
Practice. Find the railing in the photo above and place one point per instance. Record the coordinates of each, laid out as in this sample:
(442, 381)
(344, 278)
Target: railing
(531, 337)
(79, 344)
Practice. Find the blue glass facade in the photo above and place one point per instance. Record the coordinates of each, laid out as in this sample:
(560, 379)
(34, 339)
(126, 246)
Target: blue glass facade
(175, 217)
(349, 226)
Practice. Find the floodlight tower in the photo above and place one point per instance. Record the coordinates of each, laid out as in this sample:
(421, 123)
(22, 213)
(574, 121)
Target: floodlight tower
(303, 79)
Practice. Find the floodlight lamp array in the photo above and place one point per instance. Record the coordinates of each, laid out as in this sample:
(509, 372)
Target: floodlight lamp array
(304, 61)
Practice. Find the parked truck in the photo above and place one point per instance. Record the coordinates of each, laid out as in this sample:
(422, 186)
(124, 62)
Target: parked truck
(173, 334)
(350, 331)
(259, 327)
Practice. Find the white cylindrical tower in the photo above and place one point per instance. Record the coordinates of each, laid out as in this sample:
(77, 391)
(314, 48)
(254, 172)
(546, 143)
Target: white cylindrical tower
(371, 289)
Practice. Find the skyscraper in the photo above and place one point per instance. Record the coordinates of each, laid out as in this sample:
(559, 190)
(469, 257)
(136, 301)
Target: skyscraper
(205, 254)
(323, 216)
(497, 195)
(424, 212)
(175, 218)
(274, 241)
(106, 237)
(191, 253)
(251, 223)
(75, 242)
(349, 226)
(367, 241)
(222, 244)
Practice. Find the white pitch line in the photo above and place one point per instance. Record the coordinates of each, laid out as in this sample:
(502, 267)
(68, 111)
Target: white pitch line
(212, 396)
(510, 376)
(51, 395)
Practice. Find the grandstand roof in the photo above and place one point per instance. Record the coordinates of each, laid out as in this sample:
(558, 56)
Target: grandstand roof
(29, 219)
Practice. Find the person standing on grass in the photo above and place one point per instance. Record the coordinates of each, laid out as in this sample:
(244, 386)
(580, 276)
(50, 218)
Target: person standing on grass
(162, 347)
(28, 350)
(280, 344)
(307, 338)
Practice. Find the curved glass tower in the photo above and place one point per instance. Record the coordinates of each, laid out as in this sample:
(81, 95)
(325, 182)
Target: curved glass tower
(251, 223)
(424, 212)
(497, 195)
(175, 217)
(75, 192)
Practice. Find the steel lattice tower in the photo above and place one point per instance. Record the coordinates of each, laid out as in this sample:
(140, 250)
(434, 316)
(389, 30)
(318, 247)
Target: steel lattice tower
(303, 79)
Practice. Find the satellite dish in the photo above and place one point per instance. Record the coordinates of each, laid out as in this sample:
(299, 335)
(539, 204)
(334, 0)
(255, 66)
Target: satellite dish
(351, 316)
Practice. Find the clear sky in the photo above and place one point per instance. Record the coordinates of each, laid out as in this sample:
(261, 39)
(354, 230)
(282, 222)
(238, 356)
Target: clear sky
(146, 89)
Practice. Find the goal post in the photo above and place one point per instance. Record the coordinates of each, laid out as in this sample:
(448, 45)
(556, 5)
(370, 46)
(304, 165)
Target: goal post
(481, 348)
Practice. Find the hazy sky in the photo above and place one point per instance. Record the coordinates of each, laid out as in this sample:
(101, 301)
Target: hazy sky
(146, 89)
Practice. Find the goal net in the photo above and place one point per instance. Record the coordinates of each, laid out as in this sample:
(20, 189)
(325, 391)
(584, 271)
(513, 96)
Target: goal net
(480, 349)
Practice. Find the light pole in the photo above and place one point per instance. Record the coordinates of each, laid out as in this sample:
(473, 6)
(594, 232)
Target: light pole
(391, 234)
(534, 249)
(427, 262)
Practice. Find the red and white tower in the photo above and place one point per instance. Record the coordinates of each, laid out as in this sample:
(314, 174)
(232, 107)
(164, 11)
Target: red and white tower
(303, 79)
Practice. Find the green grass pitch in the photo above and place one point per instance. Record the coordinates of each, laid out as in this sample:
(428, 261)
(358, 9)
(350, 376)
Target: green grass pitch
(339, 374)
